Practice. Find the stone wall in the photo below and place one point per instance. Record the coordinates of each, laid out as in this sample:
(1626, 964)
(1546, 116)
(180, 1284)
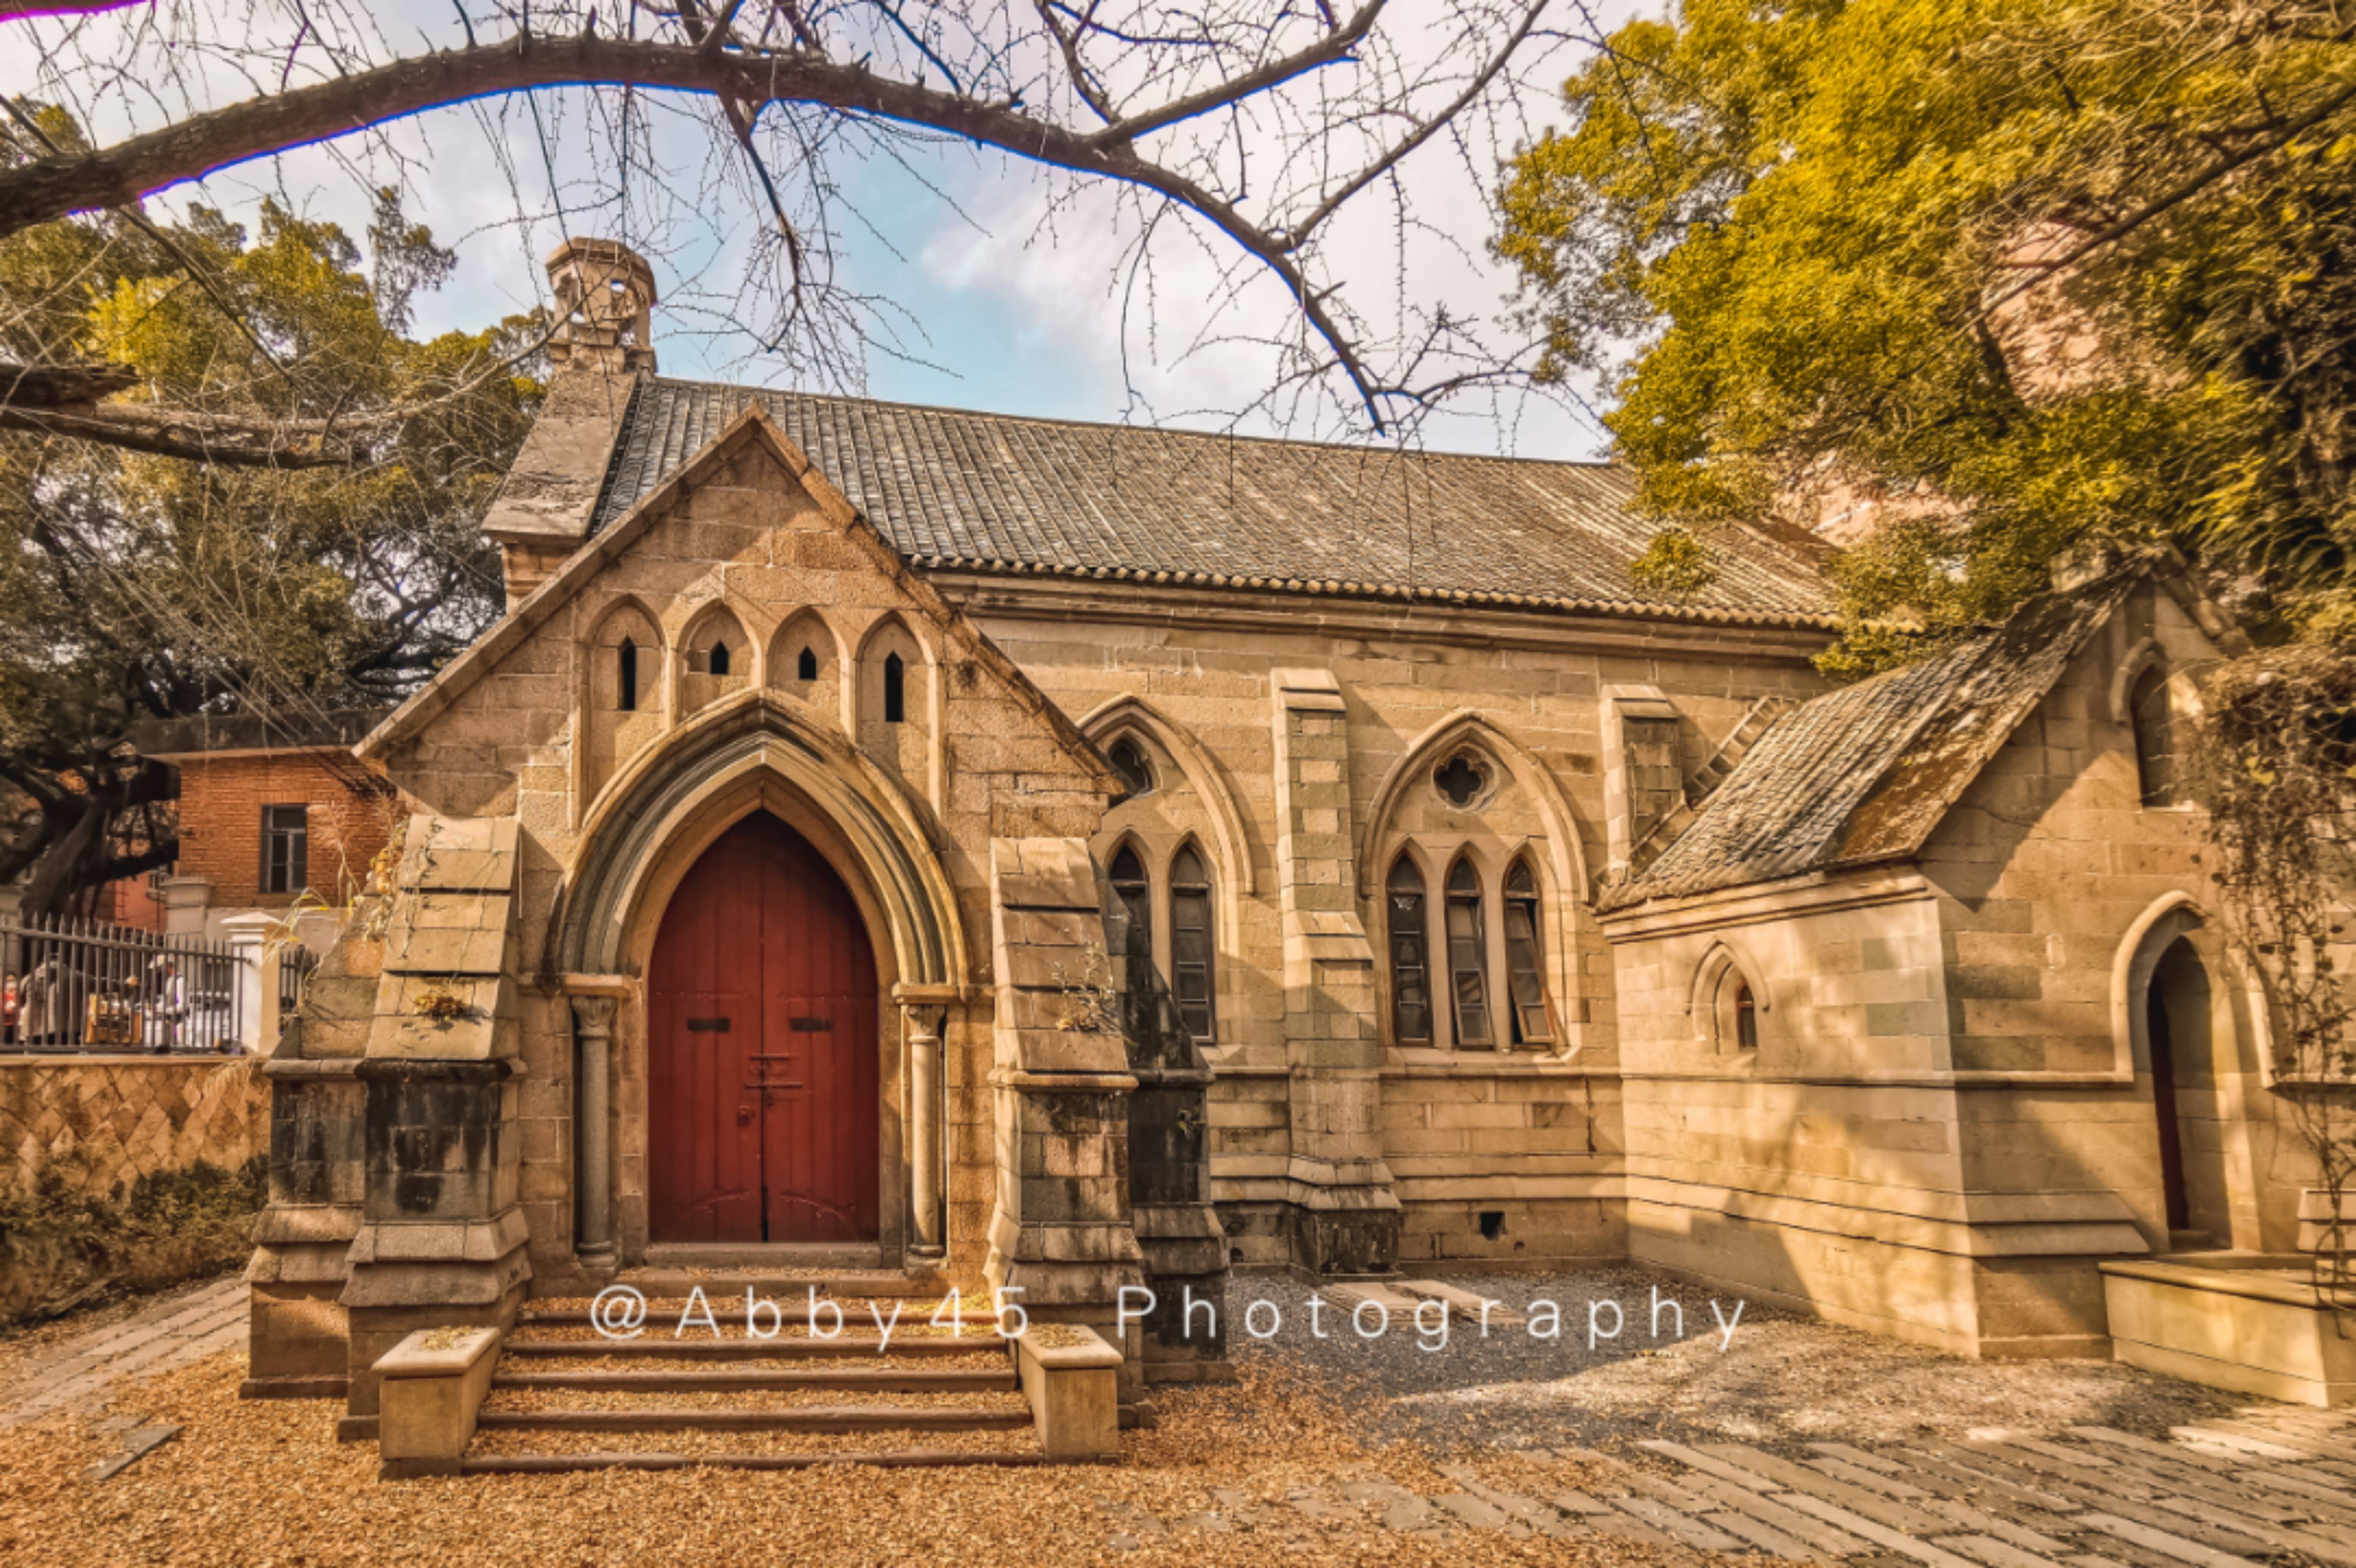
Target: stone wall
(747, 549)
(1507, 1155)
(102, 1121)
(1946, 1115)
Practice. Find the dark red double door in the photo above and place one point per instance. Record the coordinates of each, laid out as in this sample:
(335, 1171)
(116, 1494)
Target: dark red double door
(761, 1048)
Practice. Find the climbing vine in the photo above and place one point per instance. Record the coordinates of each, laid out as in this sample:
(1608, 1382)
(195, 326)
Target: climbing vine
(2276, 760)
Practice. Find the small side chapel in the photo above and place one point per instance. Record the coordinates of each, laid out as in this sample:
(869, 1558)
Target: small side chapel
(942, 847)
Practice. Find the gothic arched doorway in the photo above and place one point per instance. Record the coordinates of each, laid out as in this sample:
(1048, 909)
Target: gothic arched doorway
(761, 1049)
(2185, 1099)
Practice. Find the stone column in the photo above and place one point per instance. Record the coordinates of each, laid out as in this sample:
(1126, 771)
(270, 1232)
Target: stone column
(593, 1132)
(257, 981)
(927, 1197)
(1343, 1212)
(185, 900)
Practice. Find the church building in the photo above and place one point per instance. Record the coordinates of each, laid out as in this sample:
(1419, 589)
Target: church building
(1051, 858)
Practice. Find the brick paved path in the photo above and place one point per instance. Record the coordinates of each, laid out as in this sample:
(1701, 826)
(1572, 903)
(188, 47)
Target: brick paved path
(2273, 1482)
(162, 1336)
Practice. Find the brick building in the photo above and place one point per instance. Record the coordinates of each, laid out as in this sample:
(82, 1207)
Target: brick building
(272, 812)
(1065, 858)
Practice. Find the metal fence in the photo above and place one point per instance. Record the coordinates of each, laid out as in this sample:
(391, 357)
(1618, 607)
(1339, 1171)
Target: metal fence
(295, 964)
(78, 985)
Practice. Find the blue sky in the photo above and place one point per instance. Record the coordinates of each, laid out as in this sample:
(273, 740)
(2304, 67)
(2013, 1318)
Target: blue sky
(996, 311)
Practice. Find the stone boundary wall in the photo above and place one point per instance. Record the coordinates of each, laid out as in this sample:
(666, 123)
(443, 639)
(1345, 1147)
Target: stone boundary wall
(112, 1119)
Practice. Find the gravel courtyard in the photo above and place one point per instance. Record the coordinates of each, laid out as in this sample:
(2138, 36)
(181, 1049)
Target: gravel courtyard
(1334, 1450)
(1772, 1376)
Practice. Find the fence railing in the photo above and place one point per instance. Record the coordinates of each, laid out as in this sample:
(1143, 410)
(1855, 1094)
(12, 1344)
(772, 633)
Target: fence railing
(81, 986)
(295, 964)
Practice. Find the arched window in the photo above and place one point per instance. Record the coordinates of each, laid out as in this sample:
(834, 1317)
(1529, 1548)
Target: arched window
(895, 690)
(1136, 894)
(1746, 1012)
(628, 688)
(1410, 956)
(1526, 959)
(1128, 759)
(1468, 961)
(806, 665)
(717, 661)
(2155, 739)
(1191, 941)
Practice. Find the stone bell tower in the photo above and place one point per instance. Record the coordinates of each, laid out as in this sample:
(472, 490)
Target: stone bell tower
(604, 291)
(602, 347)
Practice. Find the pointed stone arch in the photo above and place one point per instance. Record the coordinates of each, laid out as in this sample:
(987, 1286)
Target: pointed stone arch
(714, 626)
(746, 752)
(2227, 1034)
(618, 714)
(829, 689)
(1108, 720)
(1707, 1004)
(1567, 857)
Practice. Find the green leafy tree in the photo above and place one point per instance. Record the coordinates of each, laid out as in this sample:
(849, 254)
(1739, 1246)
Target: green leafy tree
(2009, 278)
(136, 586)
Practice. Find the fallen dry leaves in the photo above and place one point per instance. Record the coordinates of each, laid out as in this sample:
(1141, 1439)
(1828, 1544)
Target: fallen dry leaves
(255, 1484)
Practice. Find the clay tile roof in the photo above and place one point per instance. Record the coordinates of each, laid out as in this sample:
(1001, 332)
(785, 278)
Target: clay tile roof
(991, 492)
(1866, 773)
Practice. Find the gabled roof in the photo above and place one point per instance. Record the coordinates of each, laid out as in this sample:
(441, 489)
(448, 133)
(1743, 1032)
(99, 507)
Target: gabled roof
(1866, 773)
(991, 492)
(751, 427)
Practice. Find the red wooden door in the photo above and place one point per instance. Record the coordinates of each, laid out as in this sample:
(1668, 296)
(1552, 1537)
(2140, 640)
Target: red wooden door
(761, 1049)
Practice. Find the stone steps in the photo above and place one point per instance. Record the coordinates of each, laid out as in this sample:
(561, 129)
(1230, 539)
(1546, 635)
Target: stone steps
(783, 1348)
(746, 1380)
(567, 1399)
(894, 1458)
(818, 1418)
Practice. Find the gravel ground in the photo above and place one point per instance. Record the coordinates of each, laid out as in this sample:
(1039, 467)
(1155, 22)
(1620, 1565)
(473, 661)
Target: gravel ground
(1774, 1377)
(263, 1484)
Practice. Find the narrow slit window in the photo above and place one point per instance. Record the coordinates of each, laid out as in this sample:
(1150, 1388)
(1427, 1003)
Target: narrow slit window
(2155, 741)
(895, 690)
(1190, 941)
(1410, 956)
(626, 671)
(1131, 885)
(718, 660)
(806, 667)
(1526, 959)
(1468, 967)
(1745, 1016)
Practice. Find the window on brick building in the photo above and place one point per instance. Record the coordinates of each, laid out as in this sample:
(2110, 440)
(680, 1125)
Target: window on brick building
(286, 849)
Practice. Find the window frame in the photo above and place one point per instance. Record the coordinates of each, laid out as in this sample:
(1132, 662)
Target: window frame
(1400, 929)
(1474, 1026)
(1204, 890)
(1526, 991)
(2156, 768)
(293, 875)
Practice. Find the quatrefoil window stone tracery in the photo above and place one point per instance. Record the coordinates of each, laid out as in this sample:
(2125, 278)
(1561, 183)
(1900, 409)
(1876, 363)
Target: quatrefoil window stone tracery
(1462, 779)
